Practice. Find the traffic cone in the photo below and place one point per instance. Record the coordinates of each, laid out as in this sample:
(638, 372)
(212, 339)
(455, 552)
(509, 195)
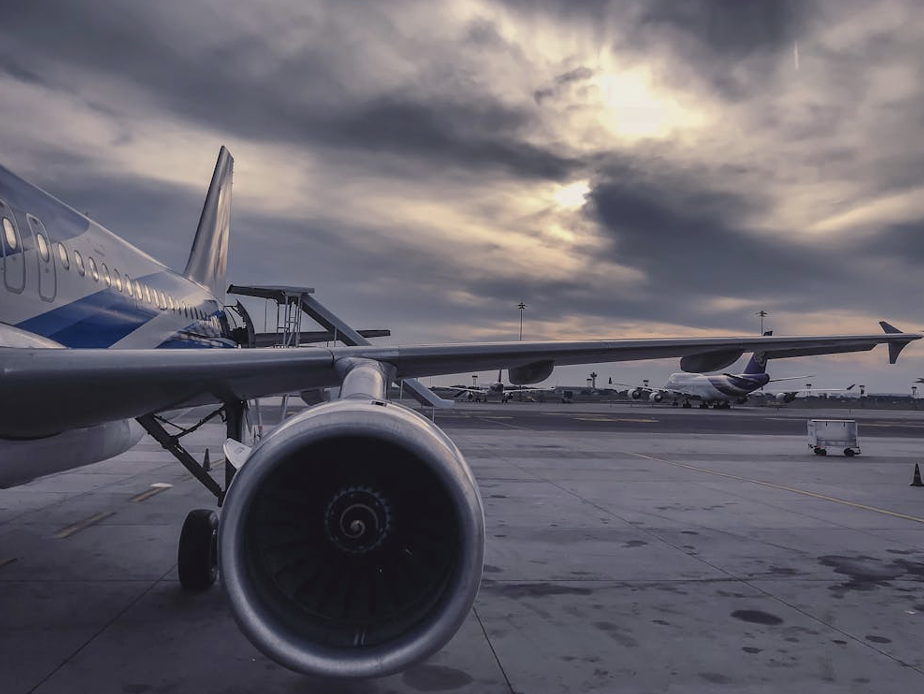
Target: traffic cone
(916, 482)
(207, 464)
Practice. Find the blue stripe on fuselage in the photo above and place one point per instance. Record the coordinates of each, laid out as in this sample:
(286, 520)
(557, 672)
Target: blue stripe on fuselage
(97, 320)
(101, 319)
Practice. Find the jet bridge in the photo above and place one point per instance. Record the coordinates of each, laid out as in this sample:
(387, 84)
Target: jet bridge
(292, 303)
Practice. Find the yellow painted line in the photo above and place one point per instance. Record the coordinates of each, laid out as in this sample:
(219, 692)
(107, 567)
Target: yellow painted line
(616, 419)
(81, 525)
(7, 562)
(804, 492)
(156, 488)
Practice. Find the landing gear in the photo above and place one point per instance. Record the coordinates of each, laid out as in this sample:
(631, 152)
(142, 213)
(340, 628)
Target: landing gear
(687, 405)
(820, 451)
(704, 406)
(197, 556)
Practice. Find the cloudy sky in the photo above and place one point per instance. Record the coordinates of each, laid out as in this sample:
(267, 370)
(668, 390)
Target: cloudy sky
(648, 168)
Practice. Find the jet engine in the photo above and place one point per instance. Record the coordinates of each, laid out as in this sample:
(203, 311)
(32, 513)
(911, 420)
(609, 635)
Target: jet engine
(636, 393)
(785, 397)
(656, 397)
(351, 541)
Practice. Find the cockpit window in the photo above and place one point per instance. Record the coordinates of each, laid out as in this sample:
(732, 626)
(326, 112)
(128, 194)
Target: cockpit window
(94, 271)
(62, 256)
(106, 278)
(118, 279)
(78, 263)
(128, 285)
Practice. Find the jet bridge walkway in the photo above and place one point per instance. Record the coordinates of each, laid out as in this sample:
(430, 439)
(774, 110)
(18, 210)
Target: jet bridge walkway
(292, 303)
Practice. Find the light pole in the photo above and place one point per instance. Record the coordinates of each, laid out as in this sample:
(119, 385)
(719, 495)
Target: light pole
(593, 379)
(522, 308)
(914, 397)
(763, 314)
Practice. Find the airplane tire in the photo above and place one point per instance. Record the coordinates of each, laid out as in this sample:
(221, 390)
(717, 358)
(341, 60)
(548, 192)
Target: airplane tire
(820, 451)
(849, 452)
(197, 556)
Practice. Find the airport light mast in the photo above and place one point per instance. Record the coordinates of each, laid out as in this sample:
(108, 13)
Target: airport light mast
(522, 308)
(763, 314)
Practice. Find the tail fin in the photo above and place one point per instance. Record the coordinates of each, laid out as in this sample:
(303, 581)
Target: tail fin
(758, 362)
(208, 258)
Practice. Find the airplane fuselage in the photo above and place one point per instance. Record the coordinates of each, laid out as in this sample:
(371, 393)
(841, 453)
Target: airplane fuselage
(716, 388)
(68, 282)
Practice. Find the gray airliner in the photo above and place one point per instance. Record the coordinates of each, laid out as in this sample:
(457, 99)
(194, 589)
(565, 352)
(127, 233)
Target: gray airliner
(352, 536)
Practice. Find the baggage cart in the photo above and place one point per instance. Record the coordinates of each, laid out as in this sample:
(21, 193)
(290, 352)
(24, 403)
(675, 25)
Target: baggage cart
(836, 434)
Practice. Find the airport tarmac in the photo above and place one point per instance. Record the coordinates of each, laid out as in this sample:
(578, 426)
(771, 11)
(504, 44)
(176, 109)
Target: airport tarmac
(621, 557)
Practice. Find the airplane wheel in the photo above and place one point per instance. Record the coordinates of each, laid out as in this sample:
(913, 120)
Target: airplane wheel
(849, 452)
(820, 451)
(197, 557)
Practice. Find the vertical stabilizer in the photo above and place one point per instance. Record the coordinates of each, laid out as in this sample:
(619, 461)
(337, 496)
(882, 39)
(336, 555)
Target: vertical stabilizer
(758, 362)
(208, 258)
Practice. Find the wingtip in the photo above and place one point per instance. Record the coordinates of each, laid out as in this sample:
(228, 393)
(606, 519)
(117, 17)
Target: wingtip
(888, 328)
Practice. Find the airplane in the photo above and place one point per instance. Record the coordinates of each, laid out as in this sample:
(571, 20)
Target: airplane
(352, 536)
(787, 396)
(719, 390)
(481, 393)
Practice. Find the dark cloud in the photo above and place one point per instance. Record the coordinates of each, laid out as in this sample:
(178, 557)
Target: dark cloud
(733, 28)
(237, 84)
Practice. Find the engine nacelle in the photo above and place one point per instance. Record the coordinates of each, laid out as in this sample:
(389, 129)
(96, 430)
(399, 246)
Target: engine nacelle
(785, 397)
(656, 397)
(636, 393)
(352, 540)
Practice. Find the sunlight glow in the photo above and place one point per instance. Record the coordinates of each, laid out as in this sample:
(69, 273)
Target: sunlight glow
(633, 109)
(572, 196)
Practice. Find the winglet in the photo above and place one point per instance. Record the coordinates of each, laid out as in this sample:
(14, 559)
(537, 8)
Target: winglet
(895, 348)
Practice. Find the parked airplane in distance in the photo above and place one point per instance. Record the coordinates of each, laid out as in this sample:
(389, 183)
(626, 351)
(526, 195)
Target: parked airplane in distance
(498, 388)
(720, 390)
(352, 536)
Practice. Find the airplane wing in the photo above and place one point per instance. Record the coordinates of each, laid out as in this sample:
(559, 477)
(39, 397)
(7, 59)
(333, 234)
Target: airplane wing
(789, 378)
(45, 391)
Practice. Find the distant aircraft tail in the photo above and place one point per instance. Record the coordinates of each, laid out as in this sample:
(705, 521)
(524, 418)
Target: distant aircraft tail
(208, 258)
(758, 362)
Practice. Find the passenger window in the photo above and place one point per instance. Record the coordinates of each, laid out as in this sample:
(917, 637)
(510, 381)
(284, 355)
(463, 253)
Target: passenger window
(42, 247)
(106, 278)
(128, 285)
(78, 263)
(138, 291)
(12, 242)
(162, 300)
(147, 293)
(94, 272)
(118, 279)
(62, 256)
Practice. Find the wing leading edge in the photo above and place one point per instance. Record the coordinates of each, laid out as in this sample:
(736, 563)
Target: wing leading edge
(45, 391)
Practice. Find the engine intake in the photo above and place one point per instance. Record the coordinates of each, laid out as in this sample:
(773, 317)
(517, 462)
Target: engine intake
(352, 540)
